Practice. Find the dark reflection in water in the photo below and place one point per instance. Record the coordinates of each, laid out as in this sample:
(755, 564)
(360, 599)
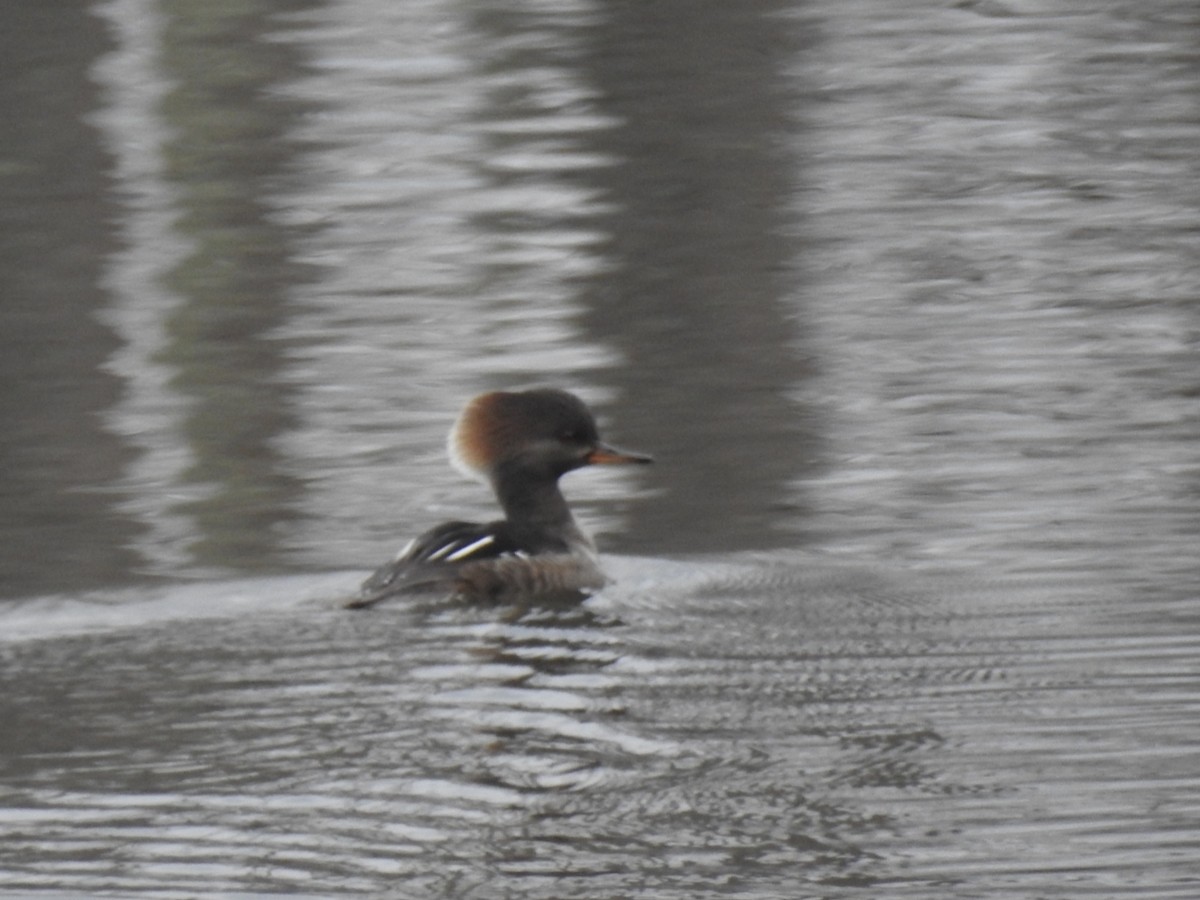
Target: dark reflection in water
(59, 529)
(706, 153)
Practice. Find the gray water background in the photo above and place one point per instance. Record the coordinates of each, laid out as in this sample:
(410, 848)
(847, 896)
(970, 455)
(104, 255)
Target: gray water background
(902, 296)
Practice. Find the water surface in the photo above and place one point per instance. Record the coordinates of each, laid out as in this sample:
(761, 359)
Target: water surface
(901, 296)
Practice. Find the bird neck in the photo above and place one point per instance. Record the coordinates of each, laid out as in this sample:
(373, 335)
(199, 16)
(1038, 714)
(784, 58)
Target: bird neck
(530, 500)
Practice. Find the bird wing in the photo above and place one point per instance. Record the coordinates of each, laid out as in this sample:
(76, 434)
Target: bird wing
(435, 557)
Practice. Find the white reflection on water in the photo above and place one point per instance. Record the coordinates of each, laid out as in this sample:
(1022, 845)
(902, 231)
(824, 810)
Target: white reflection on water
(150, 415)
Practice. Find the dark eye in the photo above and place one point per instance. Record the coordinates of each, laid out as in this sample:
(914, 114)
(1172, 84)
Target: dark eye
(572, 436)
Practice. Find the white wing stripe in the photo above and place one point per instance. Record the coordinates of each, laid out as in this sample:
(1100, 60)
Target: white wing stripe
(441, 551)
(466, 551)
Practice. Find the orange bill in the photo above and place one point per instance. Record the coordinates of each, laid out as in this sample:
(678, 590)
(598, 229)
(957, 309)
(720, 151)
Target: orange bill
(604, 455)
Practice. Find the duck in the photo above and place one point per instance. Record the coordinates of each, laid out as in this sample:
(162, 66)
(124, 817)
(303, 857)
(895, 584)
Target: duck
(521, 443)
